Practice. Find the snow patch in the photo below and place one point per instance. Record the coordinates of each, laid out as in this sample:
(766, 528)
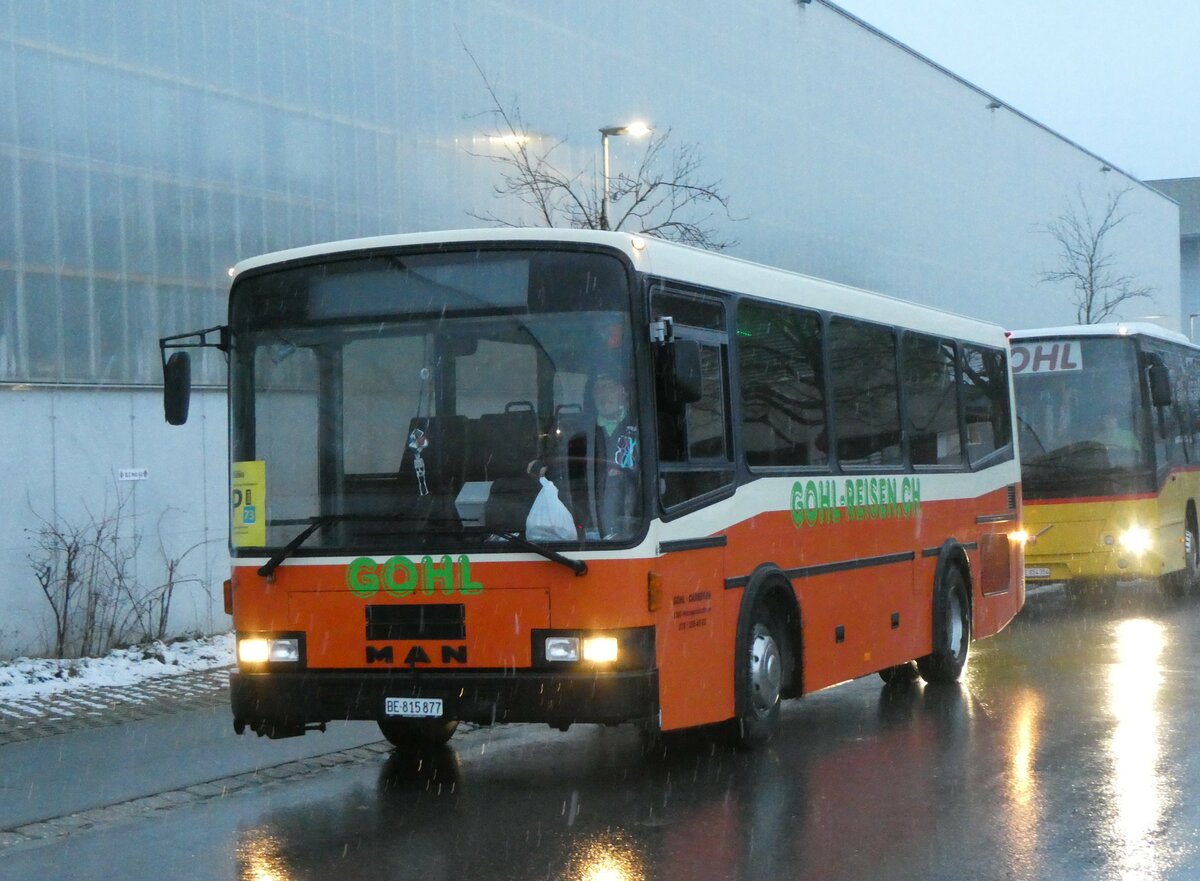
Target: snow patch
(31, 678)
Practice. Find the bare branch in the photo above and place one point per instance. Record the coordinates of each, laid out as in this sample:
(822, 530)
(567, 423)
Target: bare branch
(664, 196)
(1086, 262)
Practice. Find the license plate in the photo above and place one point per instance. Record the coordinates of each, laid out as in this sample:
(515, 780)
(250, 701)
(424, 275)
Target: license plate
(413, 707)
(1037, 571)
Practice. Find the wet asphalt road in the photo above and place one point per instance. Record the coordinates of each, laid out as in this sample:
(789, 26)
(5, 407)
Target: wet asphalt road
(1069, 752)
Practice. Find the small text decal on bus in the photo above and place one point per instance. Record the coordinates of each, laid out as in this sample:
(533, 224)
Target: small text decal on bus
(1062, 356)
(854, 498)
(401, 577)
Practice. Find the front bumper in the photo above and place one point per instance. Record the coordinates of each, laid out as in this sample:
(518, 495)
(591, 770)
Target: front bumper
(286, 701)
(1104, 565)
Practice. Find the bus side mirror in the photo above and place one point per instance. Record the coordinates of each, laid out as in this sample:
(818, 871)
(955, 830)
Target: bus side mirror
(684, 376)
(1160, 385)
(177, 387)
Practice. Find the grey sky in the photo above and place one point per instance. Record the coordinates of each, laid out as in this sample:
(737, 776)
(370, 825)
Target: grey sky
(1120, 79)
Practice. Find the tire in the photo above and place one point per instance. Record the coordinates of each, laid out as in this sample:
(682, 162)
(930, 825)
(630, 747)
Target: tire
(1181, 583)
(900, 674)
(417, 734)
(951, 629)
(759, 669)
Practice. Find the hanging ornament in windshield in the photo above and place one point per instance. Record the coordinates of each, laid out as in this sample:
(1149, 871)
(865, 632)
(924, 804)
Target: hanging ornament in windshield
(417, 442)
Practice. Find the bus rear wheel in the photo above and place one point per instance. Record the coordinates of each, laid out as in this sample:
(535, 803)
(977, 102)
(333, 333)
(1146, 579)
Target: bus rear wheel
(417, 734)
(951, 629)
(760, 671)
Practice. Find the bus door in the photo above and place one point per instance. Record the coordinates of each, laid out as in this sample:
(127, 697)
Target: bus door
(695, 472)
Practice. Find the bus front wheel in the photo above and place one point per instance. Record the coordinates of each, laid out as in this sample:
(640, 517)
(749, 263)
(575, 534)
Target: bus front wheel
(416, 734)
(760, 671)
(1178, 584)
(951, 629)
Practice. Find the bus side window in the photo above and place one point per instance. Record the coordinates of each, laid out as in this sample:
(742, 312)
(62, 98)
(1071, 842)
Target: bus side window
(1171, 429)
(781, 377)
(697, 437)
(985, 401)
(866, 400)
(930, 377)
(694, 445)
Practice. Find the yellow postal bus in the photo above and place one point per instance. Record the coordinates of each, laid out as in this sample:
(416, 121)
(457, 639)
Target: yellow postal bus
(1109, 416)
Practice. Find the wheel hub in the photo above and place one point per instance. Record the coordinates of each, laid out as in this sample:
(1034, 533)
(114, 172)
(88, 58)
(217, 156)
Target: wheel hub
(766, 671)
(956, 624)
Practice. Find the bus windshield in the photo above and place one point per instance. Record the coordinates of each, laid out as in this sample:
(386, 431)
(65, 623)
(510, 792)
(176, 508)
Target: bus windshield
(444, 400)
(1080, 412)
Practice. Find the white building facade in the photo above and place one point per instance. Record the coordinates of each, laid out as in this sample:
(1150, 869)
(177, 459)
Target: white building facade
(155, 144)
(1186, 191)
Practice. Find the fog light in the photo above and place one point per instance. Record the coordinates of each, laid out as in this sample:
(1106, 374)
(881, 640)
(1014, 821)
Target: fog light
(600, 649)
(562, 648)
(253, 651)
(1136, 540)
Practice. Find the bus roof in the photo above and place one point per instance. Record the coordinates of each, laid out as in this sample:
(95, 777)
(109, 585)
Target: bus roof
(1121, 328)
(683, 263)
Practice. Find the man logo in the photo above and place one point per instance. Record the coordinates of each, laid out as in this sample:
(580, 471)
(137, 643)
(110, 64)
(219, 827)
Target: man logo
(451, 654)
(416, 655)
(381, 656)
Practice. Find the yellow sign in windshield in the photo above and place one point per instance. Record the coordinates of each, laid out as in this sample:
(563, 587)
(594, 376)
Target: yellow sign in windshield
(249, 522)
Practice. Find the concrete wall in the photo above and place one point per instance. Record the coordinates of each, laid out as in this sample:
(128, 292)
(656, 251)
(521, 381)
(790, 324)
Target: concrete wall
(64, 449)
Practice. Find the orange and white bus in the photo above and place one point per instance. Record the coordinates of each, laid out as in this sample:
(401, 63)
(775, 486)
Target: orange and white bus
(1109, 418)
(575, 476)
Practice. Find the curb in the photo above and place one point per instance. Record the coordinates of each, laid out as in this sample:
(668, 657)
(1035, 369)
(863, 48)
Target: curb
(101, 706)
(198, 793)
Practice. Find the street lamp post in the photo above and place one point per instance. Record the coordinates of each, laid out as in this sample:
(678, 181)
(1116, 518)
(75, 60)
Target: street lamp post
(634, 130)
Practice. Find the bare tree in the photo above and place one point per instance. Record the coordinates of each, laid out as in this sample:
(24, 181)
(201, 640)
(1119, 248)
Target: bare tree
(663, 196)
(149, 609)
(84, 568)
(1086, 260)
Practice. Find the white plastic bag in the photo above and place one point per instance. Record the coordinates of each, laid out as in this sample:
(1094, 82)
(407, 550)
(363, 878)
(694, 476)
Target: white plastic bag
(549, 519)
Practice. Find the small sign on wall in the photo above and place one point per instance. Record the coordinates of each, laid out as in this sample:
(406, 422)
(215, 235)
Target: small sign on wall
(133, 473)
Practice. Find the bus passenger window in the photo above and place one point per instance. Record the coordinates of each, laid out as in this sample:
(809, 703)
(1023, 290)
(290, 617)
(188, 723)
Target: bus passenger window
(985, 401)
(930, 376)
(866, 408)
(782, 386)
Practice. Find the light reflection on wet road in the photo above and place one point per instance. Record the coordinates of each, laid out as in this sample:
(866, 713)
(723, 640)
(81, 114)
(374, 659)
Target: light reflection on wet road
(1068, 752)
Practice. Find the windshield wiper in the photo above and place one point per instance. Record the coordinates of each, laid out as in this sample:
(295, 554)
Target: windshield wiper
(579, 567)
(272, 564)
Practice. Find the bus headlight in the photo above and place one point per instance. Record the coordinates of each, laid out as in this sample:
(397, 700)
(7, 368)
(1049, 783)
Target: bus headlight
(1136, 540)
(257, 650)
(592, 649)
(597, 652)
(600, 649)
